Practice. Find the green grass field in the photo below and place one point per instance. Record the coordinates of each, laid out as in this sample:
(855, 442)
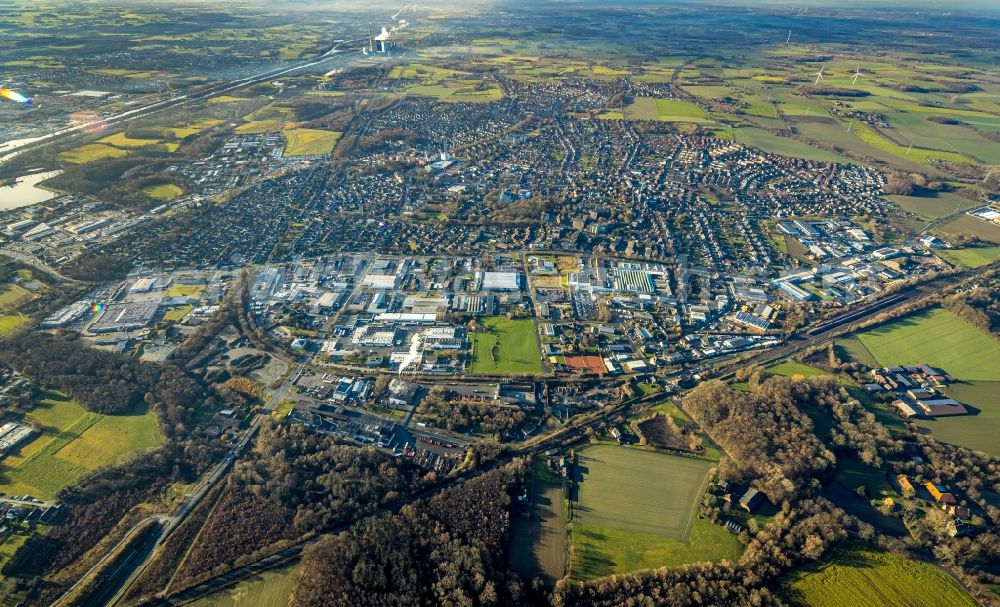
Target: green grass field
(458, 91)
(163, 191)
(119, 140)
(932, 207)
(91, 152)
(868, 577)
(790, 368)
(269, 589)
(73, 443)
(11, 295)
(977, 431)
(509, 346)
(970, 258)
(936, 337)
(538, 546)
(637, 510)
(772, 144)
(309, 142)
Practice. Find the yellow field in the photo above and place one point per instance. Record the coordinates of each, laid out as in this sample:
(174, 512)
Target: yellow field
(175, 314)
(163, 191)
(73, 442)
(105, 442)
(91, 152)
(121, 141)
(308, 142)
(458, 91)
(193, 128)
(9, 322)
(259, 126)
(225, 99)
(192, 291)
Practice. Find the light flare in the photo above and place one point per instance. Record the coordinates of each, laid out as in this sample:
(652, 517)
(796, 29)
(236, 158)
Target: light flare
(14, 96)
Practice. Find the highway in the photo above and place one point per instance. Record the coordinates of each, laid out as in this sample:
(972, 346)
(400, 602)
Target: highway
(13, 149)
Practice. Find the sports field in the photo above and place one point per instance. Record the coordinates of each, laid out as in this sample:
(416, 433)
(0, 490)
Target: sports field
(869, 577)
(269, 589)
(936, 337)
(637, 509)
(506, 346)
(163, 191)
(73, 442)
(309, 142)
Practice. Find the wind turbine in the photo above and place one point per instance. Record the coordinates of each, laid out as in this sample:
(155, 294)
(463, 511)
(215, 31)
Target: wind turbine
(857, 73)
(789, 38)
(819, 75)
(850, 125)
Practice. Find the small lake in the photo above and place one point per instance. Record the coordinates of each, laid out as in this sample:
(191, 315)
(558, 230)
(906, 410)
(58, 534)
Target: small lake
(24, 193)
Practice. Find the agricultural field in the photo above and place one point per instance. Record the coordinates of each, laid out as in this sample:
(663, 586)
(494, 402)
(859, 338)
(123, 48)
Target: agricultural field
(973, 226)
(664, 110)
(309, 142)
(538, 546)
(268, 589)
(772, 144)
(861, 576)
(506, 346)
(73, 443)
(91, 152)
(636, 509)
(452, 91)
(936, 337)
(119, 140)
(972, 257)
(932, 207)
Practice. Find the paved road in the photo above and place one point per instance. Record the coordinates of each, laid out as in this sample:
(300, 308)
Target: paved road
(30, 260)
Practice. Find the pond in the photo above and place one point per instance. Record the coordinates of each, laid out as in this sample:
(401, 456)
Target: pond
(23, 192)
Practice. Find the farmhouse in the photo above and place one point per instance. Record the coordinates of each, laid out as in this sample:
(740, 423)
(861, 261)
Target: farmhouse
(939, 493)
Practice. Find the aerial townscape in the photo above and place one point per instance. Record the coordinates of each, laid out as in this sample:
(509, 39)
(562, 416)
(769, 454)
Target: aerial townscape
(499, 303)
